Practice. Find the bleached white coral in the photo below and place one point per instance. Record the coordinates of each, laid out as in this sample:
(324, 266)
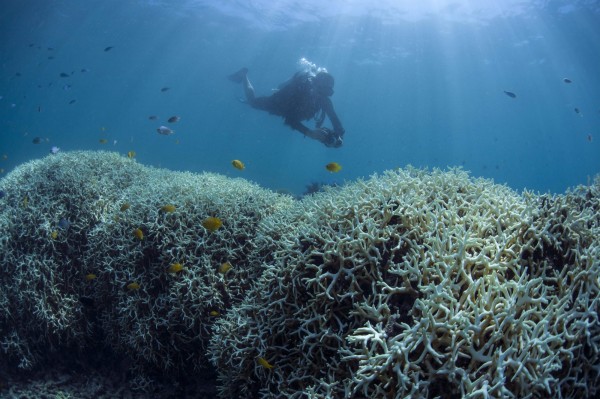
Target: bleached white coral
(410, 284)
(417, 284)
(67, 287)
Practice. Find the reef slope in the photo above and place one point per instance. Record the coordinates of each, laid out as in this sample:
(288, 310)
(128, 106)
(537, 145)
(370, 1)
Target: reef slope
(414, 283)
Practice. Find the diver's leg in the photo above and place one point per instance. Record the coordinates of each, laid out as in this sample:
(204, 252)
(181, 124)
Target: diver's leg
(241, 76)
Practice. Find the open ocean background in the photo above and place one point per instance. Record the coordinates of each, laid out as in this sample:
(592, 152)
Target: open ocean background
(417, 82)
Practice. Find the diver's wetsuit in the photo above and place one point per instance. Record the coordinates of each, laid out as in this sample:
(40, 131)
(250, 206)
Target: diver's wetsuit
(301, 98)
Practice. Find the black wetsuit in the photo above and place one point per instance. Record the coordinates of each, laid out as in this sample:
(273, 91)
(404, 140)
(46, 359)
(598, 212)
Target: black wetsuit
(297, 101)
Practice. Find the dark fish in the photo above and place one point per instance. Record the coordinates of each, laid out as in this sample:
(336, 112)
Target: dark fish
(590, 138)
(84, 70)
(2, 194)
(18, 74)
(37, 140)
(173, 119)
(567, 80)
(510, 94)
(72, 102)
(64, 75)
(50, 57)
(108, 48)
(165, 89)
(39, 108)
(152, 117)
(51, 48)
(576, 110)
(67, 87)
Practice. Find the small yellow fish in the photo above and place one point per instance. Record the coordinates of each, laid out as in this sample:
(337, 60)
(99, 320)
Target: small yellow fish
(54, 235)
(214, 313)
(90, 276)
(263, 362)
(124, 207)
(1, 170)
(103, 141)
(131, 154)
(175, 267)
(133, 286)
(138, 233)
(238, 164)
(25, 202)
(225, 267)
(333, 167)
(212, 224)
(167, 208)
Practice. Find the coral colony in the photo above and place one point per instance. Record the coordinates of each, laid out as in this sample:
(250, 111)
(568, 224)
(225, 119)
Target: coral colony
(414, 283)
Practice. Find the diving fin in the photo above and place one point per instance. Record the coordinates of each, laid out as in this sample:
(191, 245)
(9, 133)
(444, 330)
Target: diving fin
(239, 76)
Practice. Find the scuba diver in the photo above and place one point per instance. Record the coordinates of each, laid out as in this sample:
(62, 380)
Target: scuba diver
(302, 97)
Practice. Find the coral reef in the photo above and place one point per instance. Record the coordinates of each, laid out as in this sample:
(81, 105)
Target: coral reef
(417, 284)
(68, 288)
(410, 284)
(315, 187)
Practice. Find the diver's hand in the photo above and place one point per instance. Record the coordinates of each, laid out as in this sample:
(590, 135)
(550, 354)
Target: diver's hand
(325, 136)
(331, 139)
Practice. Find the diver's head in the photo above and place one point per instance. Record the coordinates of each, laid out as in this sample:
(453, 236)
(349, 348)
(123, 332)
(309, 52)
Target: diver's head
(324, 84)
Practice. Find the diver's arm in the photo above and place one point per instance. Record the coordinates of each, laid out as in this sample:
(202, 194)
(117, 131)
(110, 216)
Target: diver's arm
(335, 121)
(316, 134)
(297, 125)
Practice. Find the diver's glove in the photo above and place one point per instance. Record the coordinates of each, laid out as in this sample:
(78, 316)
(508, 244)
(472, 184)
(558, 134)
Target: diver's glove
(331, 139)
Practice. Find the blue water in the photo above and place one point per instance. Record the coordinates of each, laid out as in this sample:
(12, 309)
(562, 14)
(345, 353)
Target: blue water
(415, 84)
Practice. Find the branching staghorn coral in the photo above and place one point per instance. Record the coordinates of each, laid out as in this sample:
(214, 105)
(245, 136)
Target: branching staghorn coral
(417, 284)
(410, 284)
(68, 282)
(49, 207)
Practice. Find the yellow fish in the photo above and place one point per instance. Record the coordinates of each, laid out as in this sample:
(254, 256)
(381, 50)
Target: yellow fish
(214, 313)
(133, 286)
(25, 202)
(90, 276)
(138, 233)
(263, 362)
(125, 206)
(212, 224)
(103, 141)
(224, 268)
(175, 267)
(238, 164)
(131, 154)
(333, 167)
(168, 208)
(54, 235)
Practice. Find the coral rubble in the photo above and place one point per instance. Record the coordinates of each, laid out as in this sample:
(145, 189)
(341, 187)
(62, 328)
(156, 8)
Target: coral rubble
(410, 284)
